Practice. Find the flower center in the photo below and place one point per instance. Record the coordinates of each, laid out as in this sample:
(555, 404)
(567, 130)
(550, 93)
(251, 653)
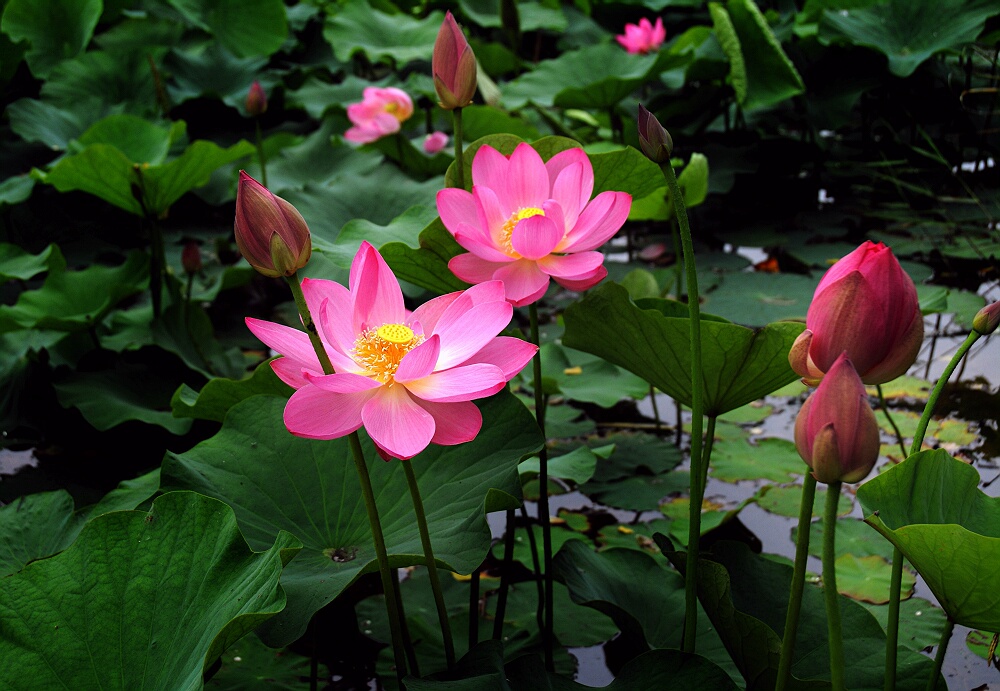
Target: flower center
(380, 350)
(508, 227)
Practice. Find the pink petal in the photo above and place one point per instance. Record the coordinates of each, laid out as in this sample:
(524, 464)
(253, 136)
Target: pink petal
(570, 265)
(554, 212)
(476, 241)
(397, 423)
(566, 159)
(584, 281)
(454, 423)
(290, 371)
(377, 297)
(535, 237)
(455, 207)
(459, 383)
(523, 282)
(472, 269)
(489, 168)
(527, 179)
(293, 344)
(331, 307)
(488, 291)
(428, 314)
(508, 353)
(317, 412)
(602, 218)
(464, 336)
(420, 361)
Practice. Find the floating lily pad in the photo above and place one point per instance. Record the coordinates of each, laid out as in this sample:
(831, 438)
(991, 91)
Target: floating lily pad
(277, 481)
(638, 474)
(735, 457)
(982, 643)
(867, 579)
(96, 615)
(785, 501)
(920, 622)
(943, 431)
(904, 387)
(712, 516)
(633, 536)
(588, 378)
(564, 421)
(854, 536)
(749, 414)
(740, 364)
(578, 465)
(931, 508)
(759, 298)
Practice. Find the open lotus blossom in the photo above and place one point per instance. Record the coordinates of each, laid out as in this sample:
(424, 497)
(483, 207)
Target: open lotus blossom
(381, 112)
(407, 377)
(435, 142)
(527, 220)
(643, 37)
(867, 306)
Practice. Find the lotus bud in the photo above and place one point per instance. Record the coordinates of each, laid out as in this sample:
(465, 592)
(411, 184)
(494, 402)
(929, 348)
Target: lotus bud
(653, 138)
(836, 433)
(453, 66)
(256, 100)
(270, 233)
(987, 319)
(867, 306)
(191, 258)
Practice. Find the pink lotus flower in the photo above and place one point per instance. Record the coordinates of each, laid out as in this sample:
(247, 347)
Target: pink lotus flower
(270, 233)
(435, 142)
(835, 431)
(865, 305)
(407, 377)
(380, 113)
(644, 37)
(453, 65)
(526, 221)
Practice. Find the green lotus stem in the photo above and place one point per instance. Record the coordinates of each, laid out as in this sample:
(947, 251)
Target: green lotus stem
(474, 607)
(536, 565)
(697, 408)
(798, 582)
(543, 492)
(456, 116)
(896, 579)
(656, 409)
(508, 561)
(830, 594)
(888, 416)
(425, 541)
(411, 653)
(354, 441)
(260, 154)
(939, 655)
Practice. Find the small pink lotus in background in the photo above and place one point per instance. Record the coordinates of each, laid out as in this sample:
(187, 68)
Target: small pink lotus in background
(381, 112)
(256, 103)
(526, 221)
(407, 377)
(836, 432)
(435, 142)
(867, 306)
(643, 37)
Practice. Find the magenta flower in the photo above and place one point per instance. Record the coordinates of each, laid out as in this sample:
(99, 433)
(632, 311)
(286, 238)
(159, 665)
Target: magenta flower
(453, 65)
(381, 112)
(526, 221)
(270, 233)
(256, 103)
(407, 377)
(865, 305)
(835, 431)
(435, 142)
(644, 37)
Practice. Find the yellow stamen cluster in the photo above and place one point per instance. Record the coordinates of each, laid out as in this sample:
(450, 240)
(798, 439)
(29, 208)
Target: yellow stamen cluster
(380, 350)
(508, 227)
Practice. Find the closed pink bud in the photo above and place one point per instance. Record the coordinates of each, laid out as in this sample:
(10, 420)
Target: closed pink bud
(867, 306)
(435, 142)
(453, 66)
(191, 257)
(270, 233)
(987, 319)
(256, 100)
(835, 432)
(654, 140)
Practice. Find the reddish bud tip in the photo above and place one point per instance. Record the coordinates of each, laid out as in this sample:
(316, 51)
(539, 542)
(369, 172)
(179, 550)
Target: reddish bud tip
(270, 233)
(256, 100)
(987, 319)
(453, 66)
(191, 257)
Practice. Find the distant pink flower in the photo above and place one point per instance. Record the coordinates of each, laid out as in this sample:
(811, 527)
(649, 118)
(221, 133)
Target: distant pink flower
(644, 37)
(435, 142)
(380, 113)
(407, 377)
(526, 221)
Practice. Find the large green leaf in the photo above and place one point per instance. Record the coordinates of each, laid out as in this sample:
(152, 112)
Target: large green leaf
(56, 29)
(140, 600)
(16, 263)
(77, 300)
(770, 76)
(757, 298)
(34, 527)
(746, 597)
(740, 364)
(277, 481)
(245, 27)
(909, 31)
(220, 394)
(931, 508)
(359, 28)
(427, 264)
